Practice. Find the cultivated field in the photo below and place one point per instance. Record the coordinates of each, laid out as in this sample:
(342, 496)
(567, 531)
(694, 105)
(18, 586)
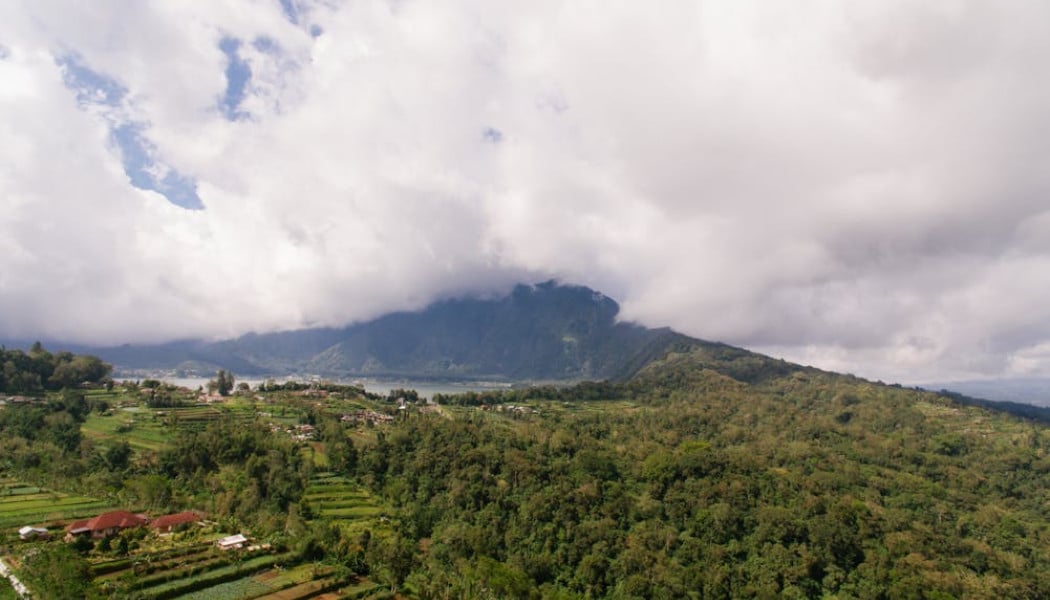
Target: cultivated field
(22, 504)
(335, 497)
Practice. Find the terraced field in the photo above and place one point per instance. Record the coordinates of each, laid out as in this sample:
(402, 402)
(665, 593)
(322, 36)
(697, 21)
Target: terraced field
(184, 569)
(198, 416)
(335, 497)
(136, 425)
(151, 429)
(200, 571)
(22, 504)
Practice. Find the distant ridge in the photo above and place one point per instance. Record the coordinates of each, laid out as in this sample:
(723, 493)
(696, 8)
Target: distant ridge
(1024, 390)
(546, 332)
(542, 332)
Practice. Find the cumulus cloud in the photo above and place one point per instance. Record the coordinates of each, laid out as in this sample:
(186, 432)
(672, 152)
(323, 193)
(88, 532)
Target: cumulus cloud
(861, 186)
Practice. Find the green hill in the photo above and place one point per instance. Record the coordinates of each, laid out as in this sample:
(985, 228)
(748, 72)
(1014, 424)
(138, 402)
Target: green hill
(718, 473)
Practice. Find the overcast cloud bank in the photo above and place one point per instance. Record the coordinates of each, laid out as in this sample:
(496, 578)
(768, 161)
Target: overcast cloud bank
(861, 186)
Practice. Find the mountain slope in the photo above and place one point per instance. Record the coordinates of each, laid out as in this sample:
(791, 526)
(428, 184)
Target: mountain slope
(542, 332)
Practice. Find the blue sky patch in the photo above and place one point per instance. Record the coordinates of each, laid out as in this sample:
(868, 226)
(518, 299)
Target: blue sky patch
(92, 88)
(138, 153)
(145, 173)
(238, 73)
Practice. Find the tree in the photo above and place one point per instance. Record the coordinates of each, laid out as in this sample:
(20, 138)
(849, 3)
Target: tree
(224, 382)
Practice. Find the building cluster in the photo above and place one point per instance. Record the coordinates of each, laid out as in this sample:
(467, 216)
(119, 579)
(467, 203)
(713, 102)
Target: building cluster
(366, 416)
(300, 433)
(5, 399)
(113, 522)
(512, 408)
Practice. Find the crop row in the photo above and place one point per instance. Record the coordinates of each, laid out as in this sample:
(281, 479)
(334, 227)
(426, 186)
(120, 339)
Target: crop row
(18, 489)
(41, 501)
(182, 584)
(340, 489)
(245, 587)
(303, 590)
(21, 498)
(154, 561)
(86, 509)
(354, 512)
(178, 570)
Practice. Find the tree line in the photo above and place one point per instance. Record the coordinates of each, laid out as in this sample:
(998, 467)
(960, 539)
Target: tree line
(39, 370)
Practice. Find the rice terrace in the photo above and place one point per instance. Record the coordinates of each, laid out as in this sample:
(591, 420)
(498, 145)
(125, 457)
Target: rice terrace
(122, 543)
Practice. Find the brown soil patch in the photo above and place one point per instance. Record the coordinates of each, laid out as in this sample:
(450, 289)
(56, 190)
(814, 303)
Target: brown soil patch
(264, 577)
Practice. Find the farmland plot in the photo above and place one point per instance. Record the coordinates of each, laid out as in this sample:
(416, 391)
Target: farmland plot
(22, 504)
(335, 497)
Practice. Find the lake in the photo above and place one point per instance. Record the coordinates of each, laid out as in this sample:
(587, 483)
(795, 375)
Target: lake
(425, 389)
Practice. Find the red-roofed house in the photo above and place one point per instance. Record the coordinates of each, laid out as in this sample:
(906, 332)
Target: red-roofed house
(167, 523)
(106, 524)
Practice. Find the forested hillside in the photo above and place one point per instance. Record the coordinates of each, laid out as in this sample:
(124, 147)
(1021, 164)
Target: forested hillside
(694, 483)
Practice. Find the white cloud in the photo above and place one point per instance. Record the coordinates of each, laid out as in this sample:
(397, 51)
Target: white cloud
(860, 186)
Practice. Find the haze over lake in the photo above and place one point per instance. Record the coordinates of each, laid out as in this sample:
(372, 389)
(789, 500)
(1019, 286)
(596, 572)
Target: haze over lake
(426, 389)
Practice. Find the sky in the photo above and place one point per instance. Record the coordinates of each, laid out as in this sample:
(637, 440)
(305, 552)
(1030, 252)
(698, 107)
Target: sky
(860, 186)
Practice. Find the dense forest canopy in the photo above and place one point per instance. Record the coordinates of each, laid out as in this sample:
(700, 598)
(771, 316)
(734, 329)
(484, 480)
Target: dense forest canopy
(696, 484)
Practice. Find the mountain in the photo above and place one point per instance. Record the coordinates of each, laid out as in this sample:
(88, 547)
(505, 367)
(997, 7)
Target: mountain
(546, 331)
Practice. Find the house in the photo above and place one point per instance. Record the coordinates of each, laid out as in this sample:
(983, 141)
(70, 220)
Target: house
(106, 524)
(29, 533)
(168, 523)
(367, 416)
(303, 432)
(232, 542)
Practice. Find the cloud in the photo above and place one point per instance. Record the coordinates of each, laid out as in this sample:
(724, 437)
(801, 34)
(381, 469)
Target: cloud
(862, 187)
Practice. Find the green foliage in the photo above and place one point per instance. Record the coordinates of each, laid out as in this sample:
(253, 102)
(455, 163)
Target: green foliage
(719, 481)
(223, 383)
(56, 421)
(56, 571)
(39, 370)
(6, 591)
